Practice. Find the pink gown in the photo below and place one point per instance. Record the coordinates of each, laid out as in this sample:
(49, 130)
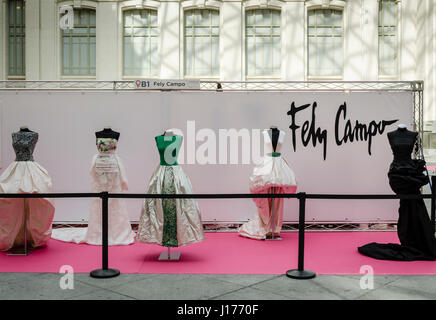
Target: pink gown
(25, 176)
(275, 172)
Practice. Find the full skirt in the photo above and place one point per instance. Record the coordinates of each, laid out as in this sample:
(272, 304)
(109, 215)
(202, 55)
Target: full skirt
(273, 175)
(119, 227)
(25, 177)
(170, 222)
(414, 228)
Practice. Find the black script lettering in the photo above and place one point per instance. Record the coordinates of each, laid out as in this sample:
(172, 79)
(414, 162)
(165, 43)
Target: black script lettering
(360, 132)
(292, 112)
(308, 131)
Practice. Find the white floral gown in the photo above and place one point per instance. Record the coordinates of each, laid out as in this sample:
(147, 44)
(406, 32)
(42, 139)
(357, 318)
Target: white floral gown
(107, 174)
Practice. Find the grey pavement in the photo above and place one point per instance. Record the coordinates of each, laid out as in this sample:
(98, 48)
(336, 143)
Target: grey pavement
(47, 286)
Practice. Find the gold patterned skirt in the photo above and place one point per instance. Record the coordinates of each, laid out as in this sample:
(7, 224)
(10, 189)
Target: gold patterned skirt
(170, 222)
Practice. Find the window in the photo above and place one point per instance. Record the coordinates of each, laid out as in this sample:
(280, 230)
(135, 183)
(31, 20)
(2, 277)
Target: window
(201, 42)
(16, 56)
(140, 41)
(325, 43)
(78, 45)
(262, 49)
(387, 38)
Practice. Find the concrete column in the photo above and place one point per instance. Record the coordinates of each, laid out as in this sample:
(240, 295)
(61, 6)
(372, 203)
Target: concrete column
(49, 41)
(293, 41)
(369, 33)
(3, 36)
(407, 41)
(430, 87)
(169, 17)
(353, 67)
(425, 57)
(421, 40)
(32, 46)
(107, 63)
(231, 42)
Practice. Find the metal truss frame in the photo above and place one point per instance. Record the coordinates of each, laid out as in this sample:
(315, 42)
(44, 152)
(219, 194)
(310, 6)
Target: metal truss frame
(415, 87)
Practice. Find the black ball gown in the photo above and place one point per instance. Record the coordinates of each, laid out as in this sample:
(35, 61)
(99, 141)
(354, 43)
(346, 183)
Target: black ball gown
(414, 228)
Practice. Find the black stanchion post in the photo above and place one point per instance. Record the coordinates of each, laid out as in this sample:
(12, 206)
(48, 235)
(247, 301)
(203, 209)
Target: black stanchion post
(300, 273)
(105, 272)
(433, 193)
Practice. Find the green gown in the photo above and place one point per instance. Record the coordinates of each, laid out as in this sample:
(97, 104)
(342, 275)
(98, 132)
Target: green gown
(170, 222)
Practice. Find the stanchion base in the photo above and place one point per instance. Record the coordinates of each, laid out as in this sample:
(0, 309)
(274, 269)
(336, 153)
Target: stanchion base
(275, 238)
(174, 256)
(20, 251)
(300, 274)
(105, 273)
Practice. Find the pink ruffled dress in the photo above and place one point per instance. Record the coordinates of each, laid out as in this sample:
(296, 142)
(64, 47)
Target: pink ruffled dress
(275, 172)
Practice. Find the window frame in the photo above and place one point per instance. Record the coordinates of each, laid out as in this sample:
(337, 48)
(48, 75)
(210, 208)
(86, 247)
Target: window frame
(7, 35)
(343, 24)
(183, 44)
(70, 36)
(122, 36)
(277, 76)
(396, 74)
(197, 4)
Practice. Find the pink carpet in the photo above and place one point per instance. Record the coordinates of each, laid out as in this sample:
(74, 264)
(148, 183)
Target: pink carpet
(224, 253)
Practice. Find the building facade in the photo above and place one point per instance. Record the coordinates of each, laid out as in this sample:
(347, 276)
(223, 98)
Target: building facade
(234, 40)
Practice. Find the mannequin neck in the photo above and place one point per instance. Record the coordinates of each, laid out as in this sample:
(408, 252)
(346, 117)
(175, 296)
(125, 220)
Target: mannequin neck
(107, 133)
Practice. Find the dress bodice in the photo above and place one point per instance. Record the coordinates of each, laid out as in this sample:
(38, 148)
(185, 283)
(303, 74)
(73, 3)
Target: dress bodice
(168, 147)
(402, 143)
(24, 143)
(106, 161)
(268, 144)
(106, 145)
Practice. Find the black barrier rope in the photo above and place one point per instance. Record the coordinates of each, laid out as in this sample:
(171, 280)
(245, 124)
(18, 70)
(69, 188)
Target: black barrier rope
(300, 273)
(216, 196)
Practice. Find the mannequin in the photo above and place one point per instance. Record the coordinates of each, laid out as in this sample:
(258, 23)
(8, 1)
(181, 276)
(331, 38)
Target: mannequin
(274, 134)
(18, 138)
(169, 133)
(273, 175)
(171, 222)
(107, 132)
(107, 174)
(25, 222)
(414, 228)
(25, 129)
(398, 138)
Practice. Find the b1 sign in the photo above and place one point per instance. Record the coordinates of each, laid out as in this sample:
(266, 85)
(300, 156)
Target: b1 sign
(153, 84)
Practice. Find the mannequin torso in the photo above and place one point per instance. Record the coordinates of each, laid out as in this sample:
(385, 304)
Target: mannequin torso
(402, 142)
(24, 142)
(273, 139)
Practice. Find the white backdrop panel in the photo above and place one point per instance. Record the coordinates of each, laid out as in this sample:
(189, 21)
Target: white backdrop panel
(66, 122)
